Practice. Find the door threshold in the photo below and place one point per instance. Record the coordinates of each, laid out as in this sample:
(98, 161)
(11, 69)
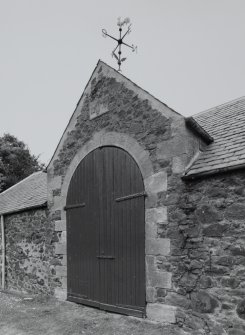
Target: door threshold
(131, 311)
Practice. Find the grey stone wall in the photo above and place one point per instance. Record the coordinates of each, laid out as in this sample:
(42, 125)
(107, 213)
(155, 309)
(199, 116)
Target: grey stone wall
(206, 226)
(29, 248)
(115, 108)
(0, 258)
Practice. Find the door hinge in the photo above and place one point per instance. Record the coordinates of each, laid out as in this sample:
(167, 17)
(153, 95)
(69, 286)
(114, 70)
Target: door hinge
(74, 206)
(131, 196)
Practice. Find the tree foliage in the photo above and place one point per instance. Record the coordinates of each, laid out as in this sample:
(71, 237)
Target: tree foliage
(16, 161)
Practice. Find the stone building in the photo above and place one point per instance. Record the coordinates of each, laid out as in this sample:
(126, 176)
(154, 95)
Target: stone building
(145, 211)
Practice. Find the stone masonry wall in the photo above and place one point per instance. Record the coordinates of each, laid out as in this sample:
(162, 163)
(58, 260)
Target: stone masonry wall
(0, 258)
(29, 247)
(206, 226)
(131, 117)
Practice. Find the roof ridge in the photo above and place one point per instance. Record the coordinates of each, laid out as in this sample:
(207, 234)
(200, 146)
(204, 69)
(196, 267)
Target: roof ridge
(221, 105)
(20, 182)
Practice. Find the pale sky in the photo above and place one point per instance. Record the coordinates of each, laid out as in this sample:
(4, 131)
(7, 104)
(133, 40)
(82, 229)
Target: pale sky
(191, 56)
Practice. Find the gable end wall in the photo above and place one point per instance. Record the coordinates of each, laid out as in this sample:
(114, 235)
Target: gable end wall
(155, 136)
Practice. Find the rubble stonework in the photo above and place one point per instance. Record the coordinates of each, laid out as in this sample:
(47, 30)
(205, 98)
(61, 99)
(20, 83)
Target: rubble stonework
(29, 249)
(207, 259)
(194, 229)
(154, 135)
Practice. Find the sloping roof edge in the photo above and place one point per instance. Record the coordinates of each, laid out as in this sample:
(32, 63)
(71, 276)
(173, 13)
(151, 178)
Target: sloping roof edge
(195, 126)
(67, 126)
(29, 193)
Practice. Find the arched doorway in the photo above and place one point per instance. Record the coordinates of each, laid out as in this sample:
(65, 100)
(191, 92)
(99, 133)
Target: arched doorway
(106, 232)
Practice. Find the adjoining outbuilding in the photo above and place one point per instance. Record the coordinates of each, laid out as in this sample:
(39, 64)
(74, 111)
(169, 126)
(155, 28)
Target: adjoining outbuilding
(145, 210)
(26, 236)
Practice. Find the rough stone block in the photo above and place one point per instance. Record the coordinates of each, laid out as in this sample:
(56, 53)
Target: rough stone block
(156, 182)
(236, 211)
(203, 302)
(151, 200)
(64, 260)
(179, 300)
(60, 249)
(150, 294)
(61, 271)
(60, 293)
(161, 313)
(64, 282)
(60, 225)
(54, 182)
(159, 246)
(150, 263)
(215, 230)
(57, 202)
(146, 166)
(63, 237)
(97, 110)
(157, 215)
(207, 214)
(151, 230)
(171, 148)
(178, 164)
(159, 279)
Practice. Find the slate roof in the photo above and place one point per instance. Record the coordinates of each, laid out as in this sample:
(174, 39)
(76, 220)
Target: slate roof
(28, 193)
(226, 124)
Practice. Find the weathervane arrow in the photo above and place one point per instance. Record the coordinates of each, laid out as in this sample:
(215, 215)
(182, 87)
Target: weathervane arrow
(120, 41)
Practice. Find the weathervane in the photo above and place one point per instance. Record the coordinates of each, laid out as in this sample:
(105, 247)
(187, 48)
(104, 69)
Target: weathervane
(120, 40)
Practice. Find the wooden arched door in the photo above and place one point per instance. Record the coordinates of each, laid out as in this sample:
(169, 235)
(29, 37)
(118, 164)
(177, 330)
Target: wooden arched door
(106, 233)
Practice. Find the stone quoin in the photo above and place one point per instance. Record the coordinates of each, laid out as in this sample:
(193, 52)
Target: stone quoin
(193, 172)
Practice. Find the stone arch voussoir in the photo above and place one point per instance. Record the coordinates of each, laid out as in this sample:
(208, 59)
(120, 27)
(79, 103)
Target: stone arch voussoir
(120, 140)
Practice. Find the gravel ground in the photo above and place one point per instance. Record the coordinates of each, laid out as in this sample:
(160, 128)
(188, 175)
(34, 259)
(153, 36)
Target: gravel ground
(38, 315)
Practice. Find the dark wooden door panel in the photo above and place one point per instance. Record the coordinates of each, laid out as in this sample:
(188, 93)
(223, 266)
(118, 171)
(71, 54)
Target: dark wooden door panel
(82, 237)
(105, 227)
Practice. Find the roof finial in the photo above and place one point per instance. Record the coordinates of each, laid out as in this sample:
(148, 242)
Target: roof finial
(120, 41)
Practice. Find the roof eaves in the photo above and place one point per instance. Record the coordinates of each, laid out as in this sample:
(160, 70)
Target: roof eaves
(195, 126)
(192, 176)
(44, 204)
